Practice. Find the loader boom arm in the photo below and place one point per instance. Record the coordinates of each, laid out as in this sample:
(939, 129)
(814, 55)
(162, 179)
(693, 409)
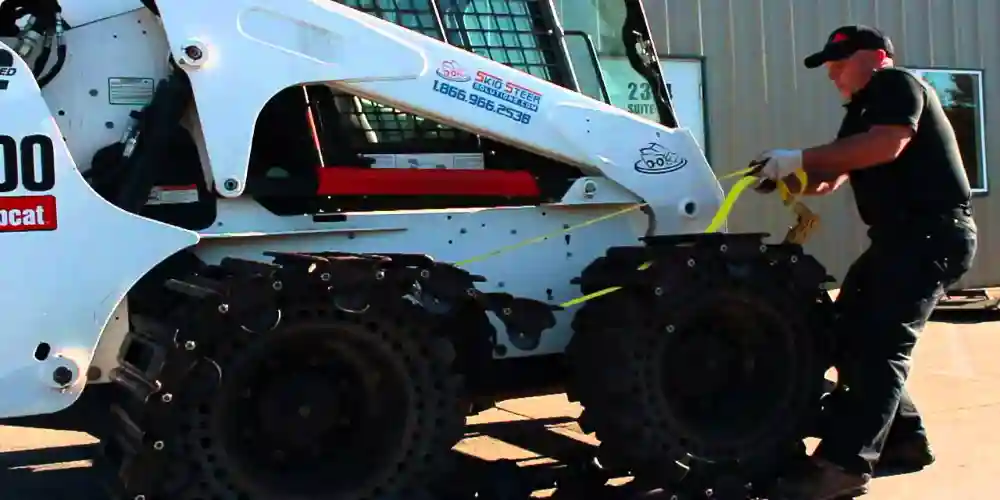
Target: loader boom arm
(262, 46)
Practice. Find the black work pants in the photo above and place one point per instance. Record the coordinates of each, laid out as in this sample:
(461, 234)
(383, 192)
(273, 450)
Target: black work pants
(886, 299)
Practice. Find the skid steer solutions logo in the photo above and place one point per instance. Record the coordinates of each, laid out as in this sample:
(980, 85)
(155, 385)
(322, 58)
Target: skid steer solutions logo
(451, 71)
(657, 159)
(7, 68)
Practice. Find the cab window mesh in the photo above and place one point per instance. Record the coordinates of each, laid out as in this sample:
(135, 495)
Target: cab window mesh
(511, 32)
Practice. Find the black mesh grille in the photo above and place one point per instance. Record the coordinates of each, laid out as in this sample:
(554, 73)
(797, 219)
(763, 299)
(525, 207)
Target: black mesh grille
(418, 15)
(511, 32)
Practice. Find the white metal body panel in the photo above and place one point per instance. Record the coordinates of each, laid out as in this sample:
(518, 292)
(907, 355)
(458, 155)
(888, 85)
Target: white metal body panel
(540, 271)
(81, 12)
(251, 49)
(66, 270)
(85, 98)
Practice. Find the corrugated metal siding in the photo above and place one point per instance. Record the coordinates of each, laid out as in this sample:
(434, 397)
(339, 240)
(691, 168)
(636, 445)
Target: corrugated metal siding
(758, 94)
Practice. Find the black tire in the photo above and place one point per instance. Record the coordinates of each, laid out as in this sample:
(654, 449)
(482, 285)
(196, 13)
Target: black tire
(237, 443)
(638, 371)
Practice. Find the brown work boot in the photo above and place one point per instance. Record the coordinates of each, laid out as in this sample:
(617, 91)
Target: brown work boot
(908, 455)
(823, 481)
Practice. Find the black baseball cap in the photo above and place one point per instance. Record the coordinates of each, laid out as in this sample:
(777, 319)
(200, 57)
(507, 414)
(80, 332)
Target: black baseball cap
(846, 40)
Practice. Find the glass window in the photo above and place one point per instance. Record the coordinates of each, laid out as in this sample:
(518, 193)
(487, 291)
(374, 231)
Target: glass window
(602, 21)
(961, 94)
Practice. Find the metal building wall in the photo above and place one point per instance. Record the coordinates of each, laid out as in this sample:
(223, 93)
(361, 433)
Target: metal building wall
(759, 96)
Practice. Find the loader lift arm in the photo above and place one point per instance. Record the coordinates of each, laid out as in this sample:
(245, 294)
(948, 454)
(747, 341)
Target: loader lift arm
(523, 34)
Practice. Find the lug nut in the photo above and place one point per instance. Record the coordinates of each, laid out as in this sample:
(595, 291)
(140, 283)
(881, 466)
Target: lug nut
(193, 52)
(62, 375)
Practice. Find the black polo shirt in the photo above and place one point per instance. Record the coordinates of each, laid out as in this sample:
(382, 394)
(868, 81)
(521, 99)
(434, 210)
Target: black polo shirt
(928, 180)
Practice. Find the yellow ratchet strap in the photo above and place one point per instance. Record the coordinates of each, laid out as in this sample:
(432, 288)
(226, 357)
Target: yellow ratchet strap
(717, 221)
(723, 213)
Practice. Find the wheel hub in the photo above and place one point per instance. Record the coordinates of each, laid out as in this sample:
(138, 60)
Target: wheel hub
(724, 373)
(297, 410)
(304, 414)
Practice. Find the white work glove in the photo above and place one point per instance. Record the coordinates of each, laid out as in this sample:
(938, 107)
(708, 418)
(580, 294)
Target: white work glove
(779, 163)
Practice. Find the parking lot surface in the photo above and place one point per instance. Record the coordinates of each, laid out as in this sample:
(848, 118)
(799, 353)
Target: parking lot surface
(955, 381)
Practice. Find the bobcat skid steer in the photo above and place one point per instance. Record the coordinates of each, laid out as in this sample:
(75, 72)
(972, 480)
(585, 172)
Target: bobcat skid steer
(281, 249)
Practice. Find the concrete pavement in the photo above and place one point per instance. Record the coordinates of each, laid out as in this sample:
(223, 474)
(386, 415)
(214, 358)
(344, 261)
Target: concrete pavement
(956, 382)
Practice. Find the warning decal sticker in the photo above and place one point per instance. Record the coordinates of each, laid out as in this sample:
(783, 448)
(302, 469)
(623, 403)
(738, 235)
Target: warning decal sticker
(125, 91)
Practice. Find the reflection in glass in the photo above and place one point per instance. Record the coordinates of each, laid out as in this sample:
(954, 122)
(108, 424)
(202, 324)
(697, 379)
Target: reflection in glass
(960, 93)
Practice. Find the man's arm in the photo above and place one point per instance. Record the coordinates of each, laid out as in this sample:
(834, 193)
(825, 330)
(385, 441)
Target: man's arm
(896, 105)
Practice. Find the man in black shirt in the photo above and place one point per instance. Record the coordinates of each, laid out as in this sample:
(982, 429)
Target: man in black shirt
(897, 149)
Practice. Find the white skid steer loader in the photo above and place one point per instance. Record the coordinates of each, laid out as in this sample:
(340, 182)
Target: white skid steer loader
(281, 249)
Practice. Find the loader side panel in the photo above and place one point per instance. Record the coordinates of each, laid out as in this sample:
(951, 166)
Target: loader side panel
(68, 257)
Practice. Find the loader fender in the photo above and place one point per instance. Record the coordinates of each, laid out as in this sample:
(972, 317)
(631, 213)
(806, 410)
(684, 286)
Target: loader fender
(67, 257)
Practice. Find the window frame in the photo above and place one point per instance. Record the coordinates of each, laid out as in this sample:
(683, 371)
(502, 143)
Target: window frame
(980, 115)
(703, 93)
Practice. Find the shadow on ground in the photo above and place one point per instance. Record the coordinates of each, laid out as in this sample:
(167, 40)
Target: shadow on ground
(62, 473)
(563, 474)
(965, 316)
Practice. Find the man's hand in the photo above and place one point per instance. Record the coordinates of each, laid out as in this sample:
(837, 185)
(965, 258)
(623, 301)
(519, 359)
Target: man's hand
(779, 163)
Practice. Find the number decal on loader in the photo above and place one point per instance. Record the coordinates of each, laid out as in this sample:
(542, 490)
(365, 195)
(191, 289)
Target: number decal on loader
(29, 163)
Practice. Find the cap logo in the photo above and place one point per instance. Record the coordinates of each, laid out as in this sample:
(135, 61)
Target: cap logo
(839, 37)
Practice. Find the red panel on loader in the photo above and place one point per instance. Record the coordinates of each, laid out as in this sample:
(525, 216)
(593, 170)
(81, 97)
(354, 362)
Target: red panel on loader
(354, 181)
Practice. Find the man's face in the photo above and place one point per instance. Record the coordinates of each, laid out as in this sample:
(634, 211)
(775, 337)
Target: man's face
(852, 73)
